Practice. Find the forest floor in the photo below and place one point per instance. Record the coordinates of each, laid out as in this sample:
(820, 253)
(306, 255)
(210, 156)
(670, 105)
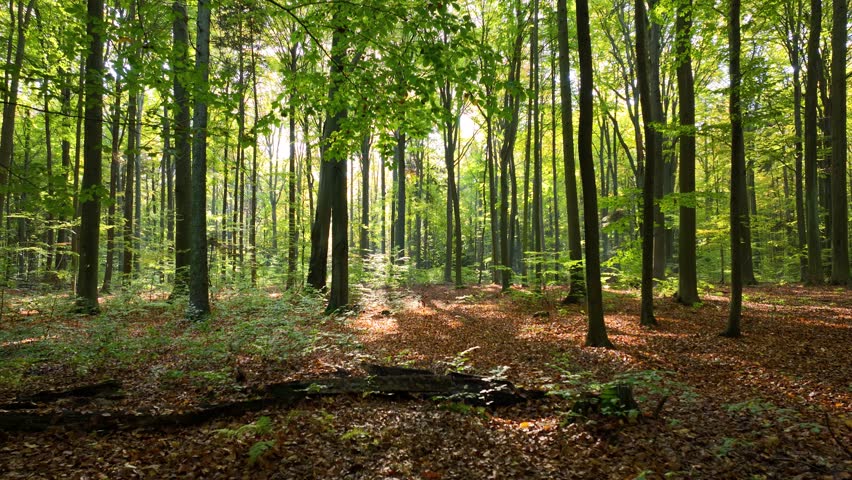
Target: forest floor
(776, 403)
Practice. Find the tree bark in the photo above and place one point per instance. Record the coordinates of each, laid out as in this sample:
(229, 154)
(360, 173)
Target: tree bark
(575, 254)
(815, 273)
(738, 208)
(596, 335)
(199, 298)
(90, 197)
(839, 199)
(182, 182)
(687, 273)
(652, 157)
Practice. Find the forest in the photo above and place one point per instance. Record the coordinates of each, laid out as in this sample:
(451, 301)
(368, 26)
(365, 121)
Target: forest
(232, 239)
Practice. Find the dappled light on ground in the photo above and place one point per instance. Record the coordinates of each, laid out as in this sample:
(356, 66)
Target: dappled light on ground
(773, 404)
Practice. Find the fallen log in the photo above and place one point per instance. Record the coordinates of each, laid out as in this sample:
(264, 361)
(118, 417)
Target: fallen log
(393, 381)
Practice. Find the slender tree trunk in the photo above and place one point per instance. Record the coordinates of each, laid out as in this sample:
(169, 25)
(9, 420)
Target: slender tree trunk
(364, 234)
(687, 274)
(738, 190)
(538, 193)
(399, 226)
(575, 254)
(199, 298)
(64, 234)
(183, 198)
(815, 273)
(839, 199)
(114, 171)
(129, 169)
(648, 100)
(596, 335)
(252, 240)
(292, 178)
(87, 277)
(7, 131)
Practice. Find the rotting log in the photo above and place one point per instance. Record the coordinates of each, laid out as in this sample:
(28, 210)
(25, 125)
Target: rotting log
(385, 381)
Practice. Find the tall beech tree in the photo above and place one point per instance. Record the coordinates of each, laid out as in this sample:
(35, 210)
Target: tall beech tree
(199, 297)
(596, 335)
(90, 196)
(738, 207)
(182, 166)
(839, 198)
(812, 140)
(574, 238)
(687, 275)
(650, 115)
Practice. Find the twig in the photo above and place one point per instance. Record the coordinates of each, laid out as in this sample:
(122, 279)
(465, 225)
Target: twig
(660, 406)
(834, 436)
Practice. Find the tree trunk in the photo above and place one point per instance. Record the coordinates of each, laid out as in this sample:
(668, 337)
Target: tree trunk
(596, 335)
(399, 226)
(7, 131)
(114, 171)
(130, 164)
(575, 254)
(738, 189)
(687, 275)
(292, 178)
(199, 298)
(538, 194)
(183, 198)
(364, 234)
(652, 157)
(87, 277)
(815, 274)
(839, 202)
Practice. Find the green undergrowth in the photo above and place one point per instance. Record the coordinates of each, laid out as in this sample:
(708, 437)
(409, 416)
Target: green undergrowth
(150, 335)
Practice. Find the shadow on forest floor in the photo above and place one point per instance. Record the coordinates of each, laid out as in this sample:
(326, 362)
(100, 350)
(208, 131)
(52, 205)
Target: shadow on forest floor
(773, 404)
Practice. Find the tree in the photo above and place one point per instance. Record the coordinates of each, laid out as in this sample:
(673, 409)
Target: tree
(840, 204)
(815, 274)
(183, 188)
(738, 189)
(574, 240)
(650, 114)
(596, 335)
(687, 276)
(7, 131)
(91, 188)
(199, 298)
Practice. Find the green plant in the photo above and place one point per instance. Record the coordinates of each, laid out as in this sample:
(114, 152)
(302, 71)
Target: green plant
(259, 448)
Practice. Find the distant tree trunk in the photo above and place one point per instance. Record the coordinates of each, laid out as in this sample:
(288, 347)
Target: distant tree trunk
(839, 201)
(575, 254)
(815, 273)
(652, 157)
(87, 277)
(687, 275)
(50, 234)
(64, 234)
(738, 189)
(169, 166)
(183, 198)
(7, 131)
(114, 171)
(557, 246)
(364, 234)
(450, 125)
(252, 240)
(292, 178)
(538, 194)
(199, 297)
(130, 164)
(596, 335)
(399, 226)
